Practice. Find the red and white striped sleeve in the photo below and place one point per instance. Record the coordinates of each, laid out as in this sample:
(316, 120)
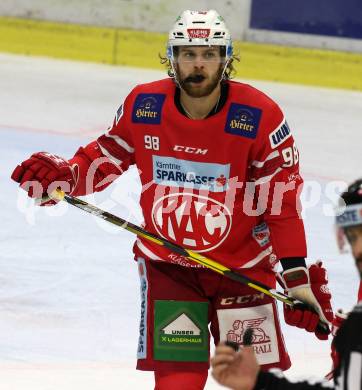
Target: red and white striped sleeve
(274, 164)
(116, 143)
(105, 159)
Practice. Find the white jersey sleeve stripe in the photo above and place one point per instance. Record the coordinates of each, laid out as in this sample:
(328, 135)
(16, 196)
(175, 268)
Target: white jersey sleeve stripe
(105, 152)
(265, 179)
(258, 258)
(149, 254)
(260, 164)
(120, 141)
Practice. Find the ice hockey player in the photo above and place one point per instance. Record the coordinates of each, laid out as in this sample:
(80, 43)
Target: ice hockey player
(220, 175)
(349, 224)
(240, 370)
(349, 228)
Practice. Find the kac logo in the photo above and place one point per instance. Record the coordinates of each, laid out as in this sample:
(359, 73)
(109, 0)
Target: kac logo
(194, 221)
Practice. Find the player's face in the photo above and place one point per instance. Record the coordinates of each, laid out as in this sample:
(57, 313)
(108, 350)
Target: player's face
(354, 236)
(199, 69)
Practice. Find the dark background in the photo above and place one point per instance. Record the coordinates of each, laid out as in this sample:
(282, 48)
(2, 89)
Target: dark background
(340, 18)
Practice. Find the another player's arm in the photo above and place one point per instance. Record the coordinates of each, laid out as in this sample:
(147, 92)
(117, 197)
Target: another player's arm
(239, 370)
(274, 381)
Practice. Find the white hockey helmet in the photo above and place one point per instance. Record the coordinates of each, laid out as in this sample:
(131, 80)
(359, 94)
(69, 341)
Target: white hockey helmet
(349, 211)
(199, 28)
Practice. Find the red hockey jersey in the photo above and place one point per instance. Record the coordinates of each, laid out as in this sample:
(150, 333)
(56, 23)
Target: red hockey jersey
(225, 186)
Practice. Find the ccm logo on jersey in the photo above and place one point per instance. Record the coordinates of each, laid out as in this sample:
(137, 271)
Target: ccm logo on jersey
(242, 299)
(279, 135)
(189, 149)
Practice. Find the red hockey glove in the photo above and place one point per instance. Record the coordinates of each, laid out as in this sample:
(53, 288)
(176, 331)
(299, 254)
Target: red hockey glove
(42, 173)
(309, 286)
(338, 320)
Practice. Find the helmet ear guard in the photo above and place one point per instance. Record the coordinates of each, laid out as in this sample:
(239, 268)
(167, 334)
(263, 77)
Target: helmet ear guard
(169, 52)
(229, 50)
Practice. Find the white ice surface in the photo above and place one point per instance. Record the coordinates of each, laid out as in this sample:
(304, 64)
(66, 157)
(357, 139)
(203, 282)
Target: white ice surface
(69, 295)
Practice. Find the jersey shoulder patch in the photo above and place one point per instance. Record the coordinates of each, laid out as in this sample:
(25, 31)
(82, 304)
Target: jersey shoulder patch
(279, 135)
(243, 120)
(147, 108)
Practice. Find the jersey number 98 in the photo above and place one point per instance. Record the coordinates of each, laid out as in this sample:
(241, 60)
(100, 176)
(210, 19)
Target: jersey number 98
(152, 143)
(290, 156)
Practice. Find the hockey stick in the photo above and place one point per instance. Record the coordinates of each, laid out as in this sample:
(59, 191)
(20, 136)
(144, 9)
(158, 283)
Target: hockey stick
(187, 253)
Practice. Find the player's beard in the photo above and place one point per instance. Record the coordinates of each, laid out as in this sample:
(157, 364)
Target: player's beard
(189, 82)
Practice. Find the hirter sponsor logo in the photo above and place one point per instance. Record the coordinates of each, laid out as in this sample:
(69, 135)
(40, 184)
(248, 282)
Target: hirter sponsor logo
(243, 120)
(194, 221)
(195, 33)
(147, 108)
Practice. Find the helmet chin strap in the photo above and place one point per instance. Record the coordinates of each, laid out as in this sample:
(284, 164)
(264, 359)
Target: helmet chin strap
(174, 73)
(224, 70)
